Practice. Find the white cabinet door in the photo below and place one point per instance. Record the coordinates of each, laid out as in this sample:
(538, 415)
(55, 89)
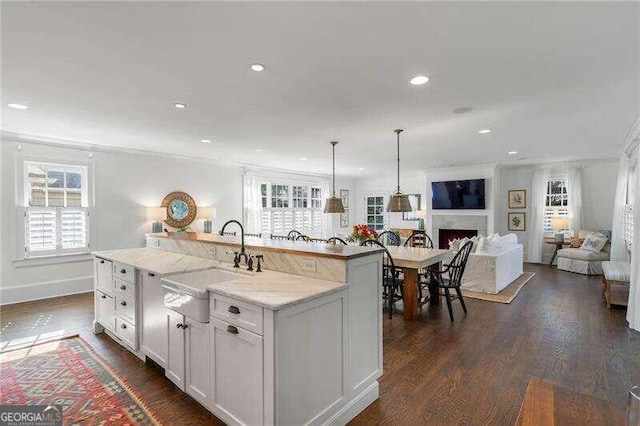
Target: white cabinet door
(175, 359)
(155, 338)
(104, 274)
(237, 374)
(105, 310)
(197, 361)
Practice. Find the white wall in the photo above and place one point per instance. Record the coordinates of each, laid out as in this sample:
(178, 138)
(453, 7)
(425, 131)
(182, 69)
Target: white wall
(599, 180)
(124, 185)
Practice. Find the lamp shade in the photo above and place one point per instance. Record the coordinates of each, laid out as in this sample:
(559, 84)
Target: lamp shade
(156, 214)
(559, 223)
(399, 203)
(333, 205)
(206, 213)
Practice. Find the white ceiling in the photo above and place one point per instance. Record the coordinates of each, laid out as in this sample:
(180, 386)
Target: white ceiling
(552, 80)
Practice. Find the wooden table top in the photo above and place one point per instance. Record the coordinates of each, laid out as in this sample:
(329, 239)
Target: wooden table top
(417, 257)
(545, 404)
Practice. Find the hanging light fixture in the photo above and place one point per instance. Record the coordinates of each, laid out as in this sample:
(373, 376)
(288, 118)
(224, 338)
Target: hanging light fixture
(398, 202)
(333, 203)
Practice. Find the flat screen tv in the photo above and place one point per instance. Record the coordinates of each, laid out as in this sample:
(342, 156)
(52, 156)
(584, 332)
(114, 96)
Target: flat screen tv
(458, 195)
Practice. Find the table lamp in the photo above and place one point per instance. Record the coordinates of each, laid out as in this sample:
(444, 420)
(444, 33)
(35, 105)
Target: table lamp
(421, 215)
(156, 215)
(559, 224)
(208, 214)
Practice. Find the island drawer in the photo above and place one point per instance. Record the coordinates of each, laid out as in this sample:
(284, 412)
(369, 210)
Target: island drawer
(127, 332)
(124, 289)
(124, 272)
(104, 274)
(126, 308)
(236, 312)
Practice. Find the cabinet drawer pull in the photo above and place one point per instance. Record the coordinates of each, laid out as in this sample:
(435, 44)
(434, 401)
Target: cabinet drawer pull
(234, 309)
(102, 261)
(123, 271)
(123, 287)
(151, 274)
(123, 303)
(103, 296)
(123, 326)
(180, 325)
(231, 329)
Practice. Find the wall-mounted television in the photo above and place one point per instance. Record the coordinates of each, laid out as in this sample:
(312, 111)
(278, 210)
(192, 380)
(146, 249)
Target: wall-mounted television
(458, 195)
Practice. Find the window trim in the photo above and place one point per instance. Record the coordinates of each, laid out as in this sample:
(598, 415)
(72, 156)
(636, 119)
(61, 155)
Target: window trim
(385, 214)
(556, 211)
(22, 200)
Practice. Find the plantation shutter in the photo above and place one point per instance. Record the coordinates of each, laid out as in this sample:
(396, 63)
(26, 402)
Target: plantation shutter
(55, 229)
(41, 229)
(73, 229)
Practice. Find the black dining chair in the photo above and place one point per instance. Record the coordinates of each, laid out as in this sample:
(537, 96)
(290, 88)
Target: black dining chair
(419, 239)
(229, 234)
(392, 284)
(455, 271)
(389, 238)
(293, 235)
(279, 237)
(302, 237)
(336, 240)
(253, 235)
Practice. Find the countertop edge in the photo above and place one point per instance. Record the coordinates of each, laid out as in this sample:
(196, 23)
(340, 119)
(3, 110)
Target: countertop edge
(104, 254)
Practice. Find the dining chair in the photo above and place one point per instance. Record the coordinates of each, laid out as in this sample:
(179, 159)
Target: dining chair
(419, 239)
(389, 238)
(293, 235)
(302, 237)
(229, 234)
(455, 270)
(336, 240)
(253, 235)
(279, 237)
(316, 240)
(392, 284)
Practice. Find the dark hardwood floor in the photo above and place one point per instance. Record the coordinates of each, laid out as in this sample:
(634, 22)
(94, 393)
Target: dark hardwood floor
(472, 371)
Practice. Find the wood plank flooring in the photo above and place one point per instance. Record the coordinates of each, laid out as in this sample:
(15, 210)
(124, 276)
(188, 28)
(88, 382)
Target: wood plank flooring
(472, 371)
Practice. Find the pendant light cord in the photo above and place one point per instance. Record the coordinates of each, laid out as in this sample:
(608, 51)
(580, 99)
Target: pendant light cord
(333, 144)
(398, 131)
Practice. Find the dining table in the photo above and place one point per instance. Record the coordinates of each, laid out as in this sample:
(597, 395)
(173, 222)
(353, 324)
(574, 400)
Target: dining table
(412, 260)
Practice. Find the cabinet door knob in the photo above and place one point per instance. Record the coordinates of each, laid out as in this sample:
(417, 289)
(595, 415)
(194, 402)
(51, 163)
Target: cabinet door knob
(123, 271)
(234, 309)
(123, 326)
(231, 329)
(123, 303)
(123, 287)
(103, 296)
(151, 274)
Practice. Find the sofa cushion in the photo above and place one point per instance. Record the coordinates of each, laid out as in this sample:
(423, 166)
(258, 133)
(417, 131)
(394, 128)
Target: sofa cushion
(617, 271)
(579, 254)
(594, 243)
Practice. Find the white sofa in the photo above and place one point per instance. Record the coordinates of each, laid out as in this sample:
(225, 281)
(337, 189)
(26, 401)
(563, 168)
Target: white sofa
(493, 265)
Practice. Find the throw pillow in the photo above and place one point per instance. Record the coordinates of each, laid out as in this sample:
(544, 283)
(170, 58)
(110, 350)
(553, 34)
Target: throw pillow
(454, 245)
(594, 243)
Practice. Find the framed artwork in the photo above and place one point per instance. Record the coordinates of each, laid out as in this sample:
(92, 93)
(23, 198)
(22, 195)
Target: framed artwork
(181, 209)
(344, 217)
(517, 221)
(414, 199)
(518, 199)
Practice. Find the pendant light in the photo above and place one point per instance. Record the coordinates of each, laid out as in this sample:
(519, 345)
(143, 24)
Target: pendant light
(398, 202)
(333, 203)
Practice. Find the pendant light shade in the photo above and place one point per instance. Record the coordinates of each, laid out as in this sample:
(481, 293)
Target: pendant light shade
(333, 203)
(398, 202)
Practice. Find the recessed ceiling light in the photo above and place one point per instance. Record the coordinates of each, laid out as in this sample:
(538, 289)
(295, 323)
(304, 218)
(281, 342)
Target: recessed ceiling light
(205, 140)
(303, 159)
(17, 106)
(361, 168)
(419, 79)
(259, 150)
(461, 110)
(180, 105)
(91, 155)
(484, 131)
(512, 152)
(257, 67)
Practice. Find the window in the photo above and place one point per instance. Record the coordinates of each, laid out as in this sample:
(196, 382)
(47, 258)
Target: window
(287, 206)
(628, 208)
(375, 212)
(56, 215)
(557, 201)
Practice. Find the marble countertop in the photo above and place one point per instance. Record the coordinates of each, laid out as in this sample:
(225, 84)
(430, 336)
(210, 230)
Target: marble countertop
(268, 289)
(334, 251)
(158, 261)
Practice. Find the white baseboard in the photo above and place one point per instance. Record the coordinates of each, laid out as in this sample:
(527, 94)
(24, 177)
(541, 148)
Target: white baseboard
(356, 405)
(45, 290)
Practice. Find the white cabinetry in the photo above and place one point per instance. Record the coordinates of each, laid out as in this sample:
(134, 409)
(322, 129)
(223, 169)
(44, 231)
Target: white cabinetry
(236, 373)
(188, 356)
(105, 310)
(154, 318)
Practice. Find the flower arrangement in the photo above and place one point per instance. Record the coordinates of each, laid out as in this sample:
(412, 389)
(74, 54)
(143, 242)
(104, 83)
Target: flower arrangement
(362, 232)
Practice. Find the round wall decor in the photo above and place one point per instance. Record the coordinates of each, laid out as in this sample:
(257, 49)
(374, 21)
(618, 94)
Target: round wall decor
(181, 209)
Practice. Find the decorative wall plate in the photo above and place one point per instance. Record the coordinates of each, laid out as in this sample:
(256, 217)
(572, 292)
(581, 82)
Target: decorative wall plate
(181, 209)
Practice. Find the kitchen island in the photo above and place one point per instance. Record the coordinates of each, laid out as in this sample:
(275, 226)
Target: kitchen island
(272, 347)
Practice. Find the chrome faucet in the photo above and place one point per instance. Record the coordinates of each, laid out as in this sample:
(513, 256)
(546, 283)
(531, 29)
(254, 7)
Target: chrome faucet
(238, 256)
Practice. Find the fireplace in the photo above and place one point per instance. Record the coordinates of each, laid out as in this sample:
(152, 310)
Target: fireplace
(446, 235)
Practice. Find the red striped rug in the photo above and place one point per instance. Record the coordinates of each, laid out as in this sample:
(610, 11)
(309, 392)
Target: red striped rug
(71, 374)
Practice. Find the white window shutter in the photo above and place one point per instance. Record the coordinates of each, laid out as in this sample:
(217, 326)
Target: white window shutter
(40, 229)
(73, 228)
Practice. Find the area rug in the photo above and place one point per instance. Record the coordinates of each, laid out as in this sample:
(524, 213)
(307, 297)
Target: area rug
(71, 374)
(507, 294)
